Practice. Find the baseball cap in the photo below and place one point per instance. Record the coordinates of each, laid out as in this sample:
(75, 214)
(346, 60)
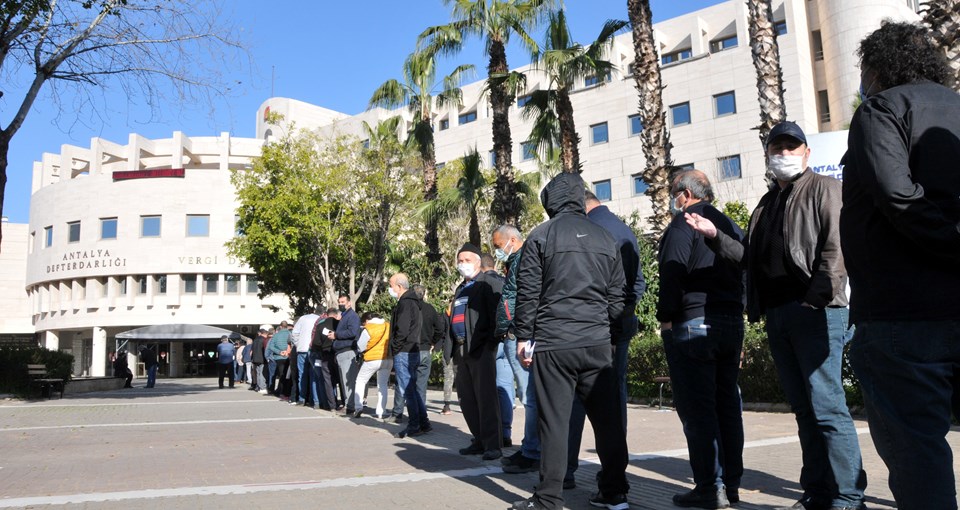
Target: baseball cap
(786, 128)
(265, 327)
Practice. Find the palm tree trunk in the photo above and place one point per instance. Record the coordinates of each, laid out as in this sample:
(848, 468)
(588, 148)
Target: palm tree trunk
(943, 18)
(506, 202)
(569, 139)
(655, 137)
(766, 60)
(474, 231)
(4, 151)
(431, 238)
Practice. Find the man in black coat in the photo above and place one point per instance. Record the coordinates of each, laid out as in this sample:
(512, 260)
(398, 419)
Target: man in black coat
(569, 292)
(431, 333)
(473, 315)
(405, 324)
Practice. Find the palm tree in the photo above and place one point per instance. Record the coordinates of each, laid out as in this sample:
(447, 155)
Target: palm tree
(564, 62)
(766, 60)
(472, 190)
(654, 136)
(416, 93)
(943, 18)
(495, 21)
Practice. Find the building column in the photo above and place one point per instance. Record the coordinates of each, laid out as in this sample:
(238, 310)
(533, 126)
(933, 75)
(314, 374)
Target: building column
(51, 340)
(175, 359)
(98, 363)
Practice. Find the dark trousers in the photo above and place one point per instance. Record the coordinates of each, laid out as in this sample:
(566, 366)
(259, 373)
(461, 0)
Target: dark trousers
(327, 360)
(910, 376)
(704, 360)
(281, 387)
(315, 381)
(225, 369)
(807, 347)
(423, 375)
(560, 377)
(477, 391)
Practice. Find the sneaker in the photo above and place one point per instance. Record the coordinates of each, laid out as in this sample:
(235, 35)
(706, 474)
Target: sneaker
(426, 428)
(473, 449)
(513, 459)
(524, 465)
(493, 454)
(398, 419)
(400, 435)
(357, 414)
(263, 392)
(615, 502)
(709, 497)
(446, 410)
(528, 504)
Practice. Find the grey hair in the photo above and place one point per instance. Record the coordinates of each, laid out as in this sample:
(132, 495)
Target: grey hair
(696, 182)
(508, 230)
(401, 280)
(420, 290)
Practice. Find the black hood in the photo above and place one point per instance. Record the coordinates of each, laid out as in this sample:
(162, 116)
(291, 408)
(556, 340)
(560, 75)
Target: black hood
(563, 194)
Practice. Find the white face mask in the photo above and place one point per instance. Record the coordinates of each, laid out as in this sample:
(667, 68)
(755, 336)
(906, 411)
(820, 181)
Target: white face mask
(466, 269)
(393, 293)
(785, 168)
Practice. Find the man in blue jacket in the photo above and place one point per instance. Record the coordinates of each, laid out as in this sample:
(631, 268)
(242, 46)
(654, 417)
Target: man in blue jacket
(345, 347)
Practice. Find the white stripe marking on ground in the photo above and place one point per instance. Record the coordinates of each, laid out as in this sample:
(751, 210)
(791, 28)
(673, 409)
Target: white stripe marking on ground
(156, 423)
(133, 403)
(225, 490)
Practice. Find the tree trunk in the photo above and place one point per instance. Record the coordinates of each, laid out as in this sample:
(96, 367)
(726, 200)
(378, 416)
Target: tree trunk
(766, 60)
(654, 137)
(475, 228)
(4, 151)
(506, 203)
(430, 237)
(943, 18)
(569, 139)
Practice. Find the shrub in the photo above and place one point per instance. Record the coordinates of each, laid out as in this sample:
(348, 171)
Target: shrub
(13, 367)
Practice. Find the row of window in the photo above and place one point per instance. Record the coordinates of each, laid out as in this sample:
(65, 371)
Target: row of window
(728, 168)
(197, 225)
(189, 284)
(723, 104)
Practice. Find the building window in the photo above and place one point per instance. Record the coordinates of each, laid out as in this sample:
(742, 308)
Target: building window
(723, 44)
(189, 283)
(252, 284)
(729, 167)
(210, 283)
(439, 166)
(817, 41)
(630, 69)
(267, 134)
(33, 241)
(636, 127)
(123, 285)
(466, 118)
(639, 185)
(725, 104)
(232, 283)
(602, 190)
(599, 133)
(523, 100)
(141, 284)
(780, 27)
(676, 56)
(104, 286)
(685, 166)
(160, 284)
(150, 226)
(73, 232)
(47, 236)
(823, 106)
(594, 80)
(198, 225)
(680, 114)
(365, 143)
(527, 151)
(108, 228)
(444, 124)
(493, 158)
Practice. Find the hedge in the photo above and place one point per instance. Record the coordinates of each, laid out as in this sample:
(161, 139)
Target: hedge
(13, 367)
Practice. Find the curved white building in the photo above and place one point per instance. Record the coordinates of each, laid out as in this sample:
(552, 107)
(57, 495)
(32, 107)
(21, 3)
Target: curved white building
(124, 236)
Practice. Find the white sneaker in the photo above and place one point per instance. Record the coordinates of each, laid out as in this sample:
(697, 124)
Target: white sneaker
(262, 392)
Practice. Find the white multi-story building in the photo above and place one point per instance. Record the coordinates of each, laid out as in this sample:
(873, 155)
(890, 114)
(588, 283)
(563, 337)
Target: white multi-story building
(124, 236)
(710, 95)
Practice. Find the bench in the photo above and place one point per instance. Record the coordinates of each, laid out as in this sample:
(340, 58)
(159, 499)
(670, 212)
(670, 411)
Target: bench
(662, 381)
(39, 376)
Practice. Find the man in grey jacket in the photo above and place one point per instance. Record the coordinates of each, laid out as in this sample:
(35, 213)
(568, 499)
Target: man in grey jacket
(796, 278)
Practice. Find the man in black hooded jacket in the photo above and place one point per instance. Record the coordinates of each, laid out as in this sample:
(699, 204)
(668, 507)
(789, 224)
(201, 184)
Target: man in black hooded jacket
(569, 292)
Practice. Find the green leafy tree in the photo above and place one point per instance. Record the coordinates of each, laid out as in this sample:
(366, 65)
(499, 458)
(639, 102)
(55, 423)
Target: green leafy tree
(496, 22)
(564, 62)
(472, 189)
(423, 95)
(83, 46)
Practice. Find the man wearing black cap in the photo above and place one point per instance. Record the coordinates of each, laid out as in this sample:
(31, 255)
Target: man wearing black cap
(796, 278)
(473, 315)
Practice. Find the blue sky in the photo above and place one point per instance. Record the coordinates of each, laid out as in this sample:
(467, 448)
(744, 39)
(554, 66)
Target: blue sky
(332, 54)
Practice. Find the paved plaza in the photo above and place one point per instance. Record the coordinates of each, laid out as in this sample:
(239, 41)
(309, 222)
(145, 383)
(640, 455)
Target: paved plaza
(187, 444)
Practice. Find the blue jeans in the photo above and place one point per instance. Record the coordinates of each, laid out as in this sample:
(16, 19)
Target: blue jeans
(152, 375)
(405, 367)
(704, 359)
(520, 374)
(271, 371)
(315, 380)
(530, 447)
(423, 376)
(807, 346)
(505, 391)
(910, 375)
(303, 378)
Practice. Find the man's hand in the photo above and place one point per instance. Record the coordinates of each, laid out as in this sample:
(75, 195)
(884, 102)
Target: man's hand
(331, 335)
(524, 362)
(701, 224)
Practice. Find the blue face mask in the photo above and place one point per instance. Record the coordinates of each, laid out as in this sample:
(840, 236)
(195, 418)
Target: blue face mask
(675, 208)
(501, 255)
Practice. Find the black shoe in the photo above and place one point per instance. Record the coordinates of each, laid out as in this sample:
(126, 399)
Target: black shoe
(398, 419)
(513, 459)
(615, 502)
(703, 497)
(808, 503)
(357, 414)
(415, 433)
(473, 449)
(426, 428)
(492, 454)
(528, 504)
(507, 443)
(524, 465)
(400, 435)
(569, 484)
(733, 495)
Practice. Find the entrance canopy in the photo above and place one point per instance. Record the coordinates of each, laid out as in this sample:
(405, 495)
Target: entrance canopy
(176, 333)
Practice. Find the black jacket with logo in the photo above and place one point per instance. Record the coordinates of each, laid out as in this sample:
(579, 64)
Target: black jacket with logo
(570, 280)
(405, 323)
